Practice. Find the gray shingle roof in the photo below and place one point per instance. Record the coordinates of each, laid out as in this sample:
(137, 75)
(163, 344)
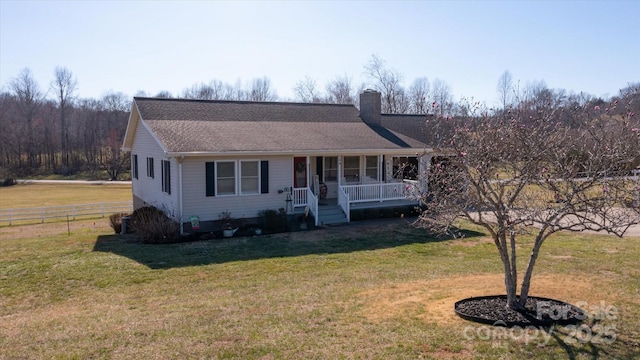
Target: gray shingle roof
(410, 125)
(237, 126)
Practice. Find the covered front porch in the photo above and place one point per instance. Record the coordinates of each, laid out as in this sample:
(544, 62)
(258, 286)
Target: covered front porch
(341, 184)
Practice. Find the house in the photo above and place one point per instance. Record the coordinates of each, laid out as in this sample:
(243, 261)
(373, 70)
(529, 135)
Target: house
(205, 157)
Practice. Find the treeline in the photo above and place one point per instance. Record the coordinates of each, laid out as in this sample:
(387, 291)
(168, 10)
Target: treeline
(60, 134)
(50, 130)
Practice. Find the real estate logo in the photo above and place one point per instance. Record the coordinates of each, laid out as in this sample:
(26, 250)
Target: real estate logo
(593, 332)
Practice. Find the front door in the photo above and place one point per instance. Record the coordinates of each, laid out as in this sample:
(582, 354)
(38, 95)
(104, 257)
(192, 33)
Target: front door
(299, 172)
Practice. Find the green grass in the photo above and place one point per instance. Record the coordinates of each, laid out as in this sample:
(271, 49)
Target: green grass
(36, 195)
(349, 292)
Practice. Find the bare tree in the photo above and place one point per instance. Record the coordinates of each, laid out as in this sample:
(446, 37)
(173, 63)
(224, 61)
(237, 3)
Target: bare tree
(505, 89)
(30, 99)
(340, 91)
(164, 94)
(215, 90)
(442, 100)
(64, 86)
(260, 90)
(306, 91)
(531, 172)
(419, 95)
(388, 82)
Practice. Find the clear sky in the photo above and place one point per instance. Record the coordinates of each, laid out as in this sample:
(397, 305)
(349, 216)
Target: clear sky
(128, 46)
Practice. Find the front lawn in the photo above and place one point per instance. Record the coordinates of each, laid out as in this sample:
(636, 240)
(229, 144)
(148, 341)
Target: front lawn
(384, 291)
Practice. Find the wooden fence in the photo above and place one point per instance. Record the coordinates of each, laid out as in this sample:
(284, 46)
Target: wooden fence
(21, 216)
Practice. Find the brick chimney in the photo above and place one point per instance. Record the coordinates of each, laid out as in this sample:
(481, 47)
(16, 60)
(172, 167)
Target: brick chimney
(371, 107)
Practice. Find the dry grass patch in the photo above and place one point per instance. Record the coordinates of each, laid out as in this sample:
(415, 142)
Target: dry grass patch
(37, 195)
(433, 300)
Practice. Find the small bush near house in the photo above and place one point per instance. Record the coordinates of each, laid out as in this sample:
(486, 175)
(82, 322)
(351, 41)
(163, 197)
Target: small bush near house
(274, 221)
(153, 226)
(115, 220)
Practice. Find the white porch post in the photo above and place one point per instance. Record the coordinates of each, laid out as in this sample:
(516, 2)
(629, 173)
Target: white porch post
(308, 172)
(379, 175)
(424, 165)
(388, 168)
(339, 170)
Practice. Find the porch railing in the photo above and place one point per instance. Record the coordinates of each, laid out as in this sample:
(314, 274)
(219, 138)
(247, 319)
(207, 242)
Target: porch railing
(305, 197)
(411, 189)
(312, 203)
(375, 192)
(343, 202)
(300, 197)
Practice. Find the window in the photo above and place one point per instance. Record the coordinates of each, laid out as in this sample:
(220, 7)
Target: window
(330, 168)
(226, 178)
(405, 167)
(134, 168)
(221, 176)
(150, 172)
(352, 168)
(249, 177)
(166, 176)
(371, 170)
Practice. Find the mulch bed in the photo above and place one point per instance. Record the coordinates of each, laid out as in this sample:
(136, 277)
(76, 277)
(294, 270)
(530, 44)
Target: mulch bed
(493, 310)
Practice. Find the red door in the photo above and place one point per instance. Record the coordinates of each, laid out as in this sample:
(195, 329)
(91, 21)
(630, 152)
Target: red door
(299, 172)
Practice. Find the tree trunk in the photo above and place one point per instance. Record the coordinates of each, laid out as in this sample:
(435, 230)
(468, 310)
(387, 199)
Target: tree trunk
(526, 281)
(510, 281)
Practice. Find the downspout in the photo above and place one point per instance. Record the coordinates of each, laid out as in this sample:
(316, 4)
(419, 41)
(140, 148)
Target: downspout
(180, 210)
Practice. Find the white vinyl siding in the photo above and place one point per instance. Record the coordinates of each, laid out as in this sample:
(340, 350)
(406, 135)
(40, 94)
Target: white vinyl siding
(208, 208)
(149, 189)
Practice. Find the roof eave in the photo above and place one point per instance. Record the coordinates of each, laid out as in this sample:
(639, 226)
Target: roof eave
(403, 151)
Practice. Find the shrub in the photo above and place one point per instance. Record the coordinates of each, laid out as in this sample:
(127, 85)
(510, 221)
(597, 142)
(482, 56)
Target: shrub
(153, 226)
(8, 182)
(115, 220)
(274, 221)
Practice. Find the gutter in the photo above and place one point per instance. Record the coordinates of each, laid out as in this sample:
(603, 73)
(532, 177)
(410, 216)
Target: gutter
(404, 151)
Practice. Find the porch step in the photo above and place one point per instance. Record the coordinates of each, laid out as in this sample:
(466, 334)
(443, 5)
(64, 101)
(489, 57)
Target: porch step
(331, 215)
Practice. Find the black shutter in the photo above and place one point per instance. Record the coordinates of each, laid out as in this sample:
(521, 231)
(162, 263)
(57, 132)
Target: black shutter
(135, 166)
(384, 169)
(264, 177)
(210, 179)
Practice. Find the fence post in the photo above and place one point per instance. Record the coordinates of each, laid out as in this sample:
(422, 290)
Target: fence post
(10, 218)
(42, 213)
(103, 210)
(74, 213)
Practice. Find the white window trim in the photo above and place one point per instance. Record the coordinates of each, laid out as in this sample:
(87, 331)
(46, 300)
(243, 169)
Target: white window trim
(358, 175)
(325, 168)
(377, 167)
(239, 177)
(235, 177)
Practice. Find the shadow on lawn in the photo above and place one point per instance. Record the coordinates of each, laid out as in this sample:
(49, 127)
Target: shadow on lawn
(324, 241)
(589, 341)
